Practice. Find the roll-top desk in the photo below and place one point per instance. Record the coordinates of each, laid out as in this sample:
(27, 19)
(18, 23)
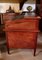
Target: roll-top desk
(22, 33)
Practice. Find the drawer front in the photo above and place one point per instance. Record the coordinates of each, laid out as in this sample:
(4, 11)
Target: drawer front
(23, 25)
(21, 39)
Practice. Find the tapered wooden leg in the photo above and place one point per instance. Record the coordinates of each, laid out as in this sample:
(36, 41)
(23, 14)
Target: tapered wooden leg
(8, 50)
(34, 51)
(35, 43)
(7, 43)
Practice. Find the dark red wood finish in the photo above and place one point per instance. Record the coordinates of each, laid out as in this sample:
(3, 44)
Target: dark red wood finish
(22, 33)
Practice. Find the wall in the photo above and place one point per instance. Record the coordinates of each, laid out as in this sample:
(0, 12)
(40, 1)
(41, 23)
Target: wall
(5, 6)
(14, 4)
(31, 3)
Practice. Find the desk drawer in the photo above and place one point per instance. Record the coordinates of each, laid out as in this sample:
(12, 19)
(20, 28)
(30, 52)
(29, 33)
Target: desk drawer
(22, 25)
(21, 39)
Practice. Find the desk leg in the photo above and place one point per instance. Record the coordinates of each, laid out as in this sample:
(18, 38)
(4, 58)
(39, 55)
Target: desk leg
(35, 43)
(7, 42)
(34, 51)
(8, 49)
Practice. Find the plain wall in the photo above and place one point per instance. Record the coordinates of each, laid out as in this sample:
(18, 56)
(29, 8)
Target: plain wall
(5, 6)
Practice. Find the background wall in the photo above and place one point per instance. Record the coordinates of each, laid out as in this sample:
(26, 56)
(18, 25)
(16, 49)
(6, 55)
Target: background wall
(27, 2)
(5, 6)
(31, 3)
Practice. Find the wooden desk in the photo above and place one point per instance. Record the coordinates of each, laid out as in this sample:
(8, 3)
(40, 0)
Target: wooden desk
(22, 33)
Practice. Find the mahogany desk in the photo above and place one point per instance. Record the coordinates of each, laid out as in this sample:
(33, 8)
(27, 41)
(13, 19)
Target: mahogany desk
(22, 33)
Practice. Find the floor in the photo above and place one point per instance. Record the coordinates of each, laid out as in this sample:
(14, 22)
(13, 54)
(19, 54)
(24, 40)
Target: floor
(24, 54)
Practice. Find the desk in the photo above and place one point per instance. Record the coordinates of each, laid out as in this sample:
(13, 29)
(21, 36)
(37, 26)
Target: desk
(22, 33)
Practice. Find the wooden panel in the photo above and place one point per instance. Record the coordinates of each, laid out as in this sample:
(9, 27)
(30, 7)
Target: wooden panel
(21, 39)
(10, 1)
(23, 25)
(15, 1)
(22, 33)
